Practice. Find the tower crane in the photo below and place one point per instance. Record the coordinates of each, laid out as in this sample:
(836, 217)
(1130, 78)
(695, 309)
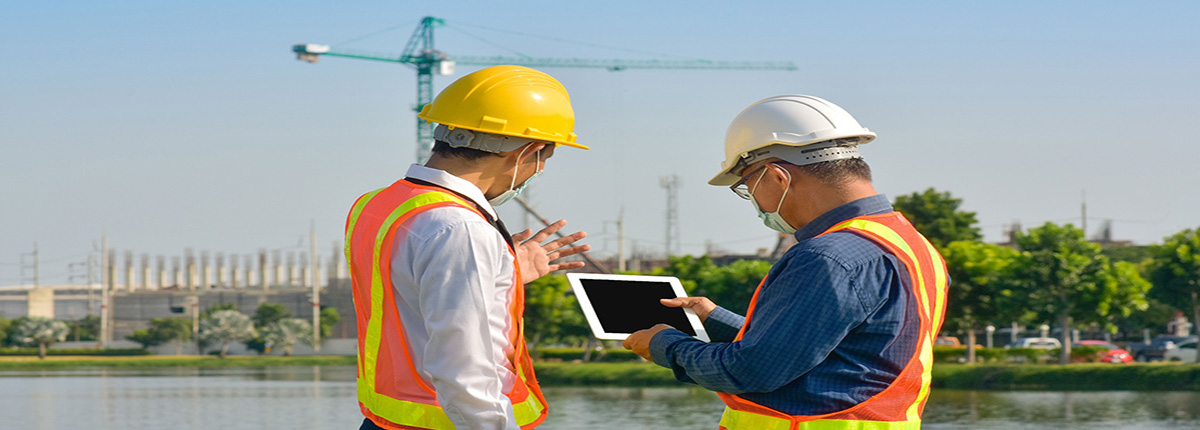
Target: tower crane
(420, 53)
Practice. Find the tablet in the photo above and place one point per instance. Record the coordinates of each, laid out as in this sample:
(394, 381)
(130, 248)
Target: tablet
(618, 305)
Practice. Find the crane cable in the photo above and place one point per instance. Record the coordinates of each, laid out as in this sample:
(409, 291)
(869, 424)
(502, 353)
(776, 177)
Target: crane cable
(558, 39)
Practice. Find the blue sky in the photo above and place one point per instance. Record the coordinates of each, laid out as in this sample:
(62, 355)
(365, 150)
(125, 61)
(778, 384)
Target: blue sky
(172, 125)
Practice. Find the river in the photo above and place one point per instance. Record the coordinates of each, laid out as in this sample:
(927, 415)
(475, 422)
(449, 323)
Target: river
(323, 398)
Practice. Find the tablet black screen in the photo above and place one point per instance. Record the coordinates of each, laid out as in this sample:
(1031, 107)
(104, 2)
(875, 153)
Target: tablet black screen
(629, 306)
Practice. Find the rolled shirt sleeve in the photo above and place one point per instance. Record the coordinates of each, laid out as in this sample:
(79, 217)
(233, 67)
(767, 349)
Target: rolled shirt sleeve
(463, 293)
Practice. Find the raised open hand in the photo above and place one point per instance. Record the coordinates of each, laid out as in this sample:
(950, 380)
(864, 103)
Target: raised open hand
(536, 258)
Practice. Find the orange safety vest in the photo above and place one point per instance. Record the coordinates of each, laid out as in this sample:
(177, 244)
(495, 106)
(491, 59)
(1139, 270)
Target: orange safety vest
(899, 406)
(391, 391)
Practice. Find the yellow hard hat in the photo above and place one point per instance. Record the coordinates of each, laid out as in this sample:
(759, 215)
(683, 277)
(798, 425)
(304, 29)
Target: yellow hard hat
(507, 100)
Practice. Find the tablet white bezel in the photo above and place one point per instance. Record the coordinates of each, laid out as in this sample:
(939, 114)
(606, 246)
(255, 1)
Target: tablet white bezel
(594, 322)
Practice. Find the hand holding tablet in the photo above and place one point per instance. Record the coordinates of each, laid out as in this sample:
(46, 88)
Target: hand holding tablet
(617, 305)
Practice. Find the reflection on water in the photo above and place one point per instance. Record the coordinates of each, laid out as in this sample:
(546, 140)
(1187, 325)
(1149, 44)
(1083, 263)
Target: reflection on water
(324, 398)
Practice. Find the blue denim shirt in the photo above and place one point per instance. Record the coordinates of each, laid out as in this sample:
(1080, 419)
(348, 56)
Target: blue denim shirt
(834, 325)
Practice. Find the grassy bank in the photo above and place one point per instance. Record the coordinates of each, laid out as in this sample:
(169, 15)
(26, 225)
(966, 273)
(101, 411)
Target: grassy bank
(1135, 377)
(1074, 377)
(154, 361)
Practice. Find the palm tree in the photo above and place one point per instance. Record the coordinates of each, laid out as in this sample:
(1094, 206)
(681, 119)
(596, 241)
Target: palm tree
(226, 327)
(286, 332)
(40, 331)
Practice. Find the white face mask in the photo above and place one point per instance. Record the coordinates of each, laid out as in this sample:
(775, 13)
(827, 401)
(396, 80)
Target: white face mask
(512, 192)
(773, 220)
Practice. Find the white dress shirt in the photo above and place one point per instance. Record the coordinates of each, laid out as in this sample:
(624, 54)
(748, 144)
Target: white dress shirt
(453, 278)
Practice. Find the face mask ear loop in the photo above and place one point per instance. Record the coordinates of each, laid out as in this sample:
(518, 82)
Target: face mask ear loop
(786, 187)
(517, 168)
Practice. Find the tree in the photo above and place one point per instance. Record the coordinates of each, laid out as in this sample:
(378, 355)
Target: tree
(40, 331)
(552, 313)
(144, 338)
(1175, 271)
(269, 313)
(1066, 279)
(226, 327)
(286, 332)
(980, 292)
(730, 286)
(5, 327)
(163, 330)
(87, 328)
(937, 217)
(329, 318)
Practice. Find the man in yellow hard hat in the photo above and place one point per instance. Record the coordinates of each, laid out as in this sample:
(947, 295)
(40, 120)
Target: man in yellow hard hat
(839, 334)
(438, 280)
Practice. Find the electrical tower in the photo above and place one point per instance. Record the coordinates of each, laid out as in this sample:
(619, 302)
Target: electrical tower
(420, 53)
(672, 184)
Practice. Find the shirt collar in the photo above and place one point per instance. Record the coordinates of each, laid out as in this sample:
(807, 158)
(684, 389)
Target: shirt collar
(875, 204)
(451, 182)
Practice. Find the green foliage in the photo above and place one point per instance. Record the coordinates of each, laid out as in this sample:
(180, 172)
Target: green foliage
(329, 318)
(604, 374)
(163, 330)
(1131, 254)
(1175, 269)
(285, 333)
(144, 338)
(225, 327)
(552, 314)
(171, 329)
(97, 352)
(1066, 279)
(215, 308)
(269, 313)
(573, 354)
(87, 328)
(937, 217)
(731, 286)
(5, 327)
(1068, 378)
(980, 292)
(40, 332)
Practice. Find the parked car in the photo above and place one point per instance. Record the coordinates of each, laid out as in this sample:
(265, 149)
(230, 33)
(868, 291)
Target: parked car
(1112, 354)
(1036, 343)
(946, 341)
(1157, 348)
(1184, 352)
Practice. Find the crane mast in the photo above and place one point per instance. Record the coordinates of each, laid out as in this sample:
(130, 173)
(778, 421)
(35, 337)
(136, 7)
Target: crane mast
(420, 53)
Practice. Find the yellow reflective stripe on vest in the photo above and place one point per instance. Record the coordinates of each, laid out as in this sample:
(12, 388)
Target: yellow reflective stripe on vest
(924, 343)
(354, 213)
(412, 414)
(859, 425)
(734, 419)
(939, 276)
(374, 333)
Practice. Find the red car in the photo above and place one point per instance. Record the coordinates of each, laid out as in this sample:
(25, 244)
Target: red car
(1114, 354)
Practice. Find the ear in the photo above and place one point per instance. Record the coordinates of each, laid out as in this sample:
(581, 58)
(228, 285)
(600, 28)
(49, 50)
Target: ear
(530, 152)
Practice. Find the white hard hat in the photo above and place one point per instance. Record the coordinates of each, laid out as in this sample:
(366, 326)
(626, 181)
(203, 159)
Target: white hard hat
(796, 128)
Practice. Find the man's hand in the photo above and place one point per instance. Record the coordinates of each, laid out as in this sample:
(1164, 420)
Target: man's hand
(639, 341)
(534, 257)
(702, 306)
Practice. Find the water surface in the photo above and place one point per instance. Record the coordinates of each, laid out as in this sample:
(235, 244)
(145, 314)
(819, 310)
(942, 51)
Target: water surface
(324, 398)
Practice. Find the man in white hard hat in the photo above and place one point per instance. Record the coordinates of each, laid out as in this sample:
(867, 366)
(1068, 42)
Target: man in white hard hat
(438, 280)
(840, 332)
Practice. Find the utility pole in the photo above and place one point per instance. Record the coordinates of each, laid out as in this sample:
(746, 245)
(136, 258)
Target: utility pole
(621, 240)
(316, 290)
(1083, 212)
(672, 184)
(105, 279)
